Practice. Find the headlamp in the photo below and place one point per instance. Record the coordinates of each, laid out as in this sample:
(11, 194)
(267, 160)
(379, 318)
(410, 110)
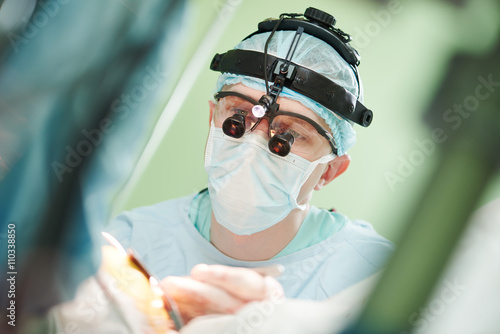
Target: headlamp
(298, 78)
(259, 110)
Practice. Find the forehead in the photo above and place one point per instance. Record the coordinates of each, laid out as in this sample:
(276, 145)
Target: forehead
(286, 104)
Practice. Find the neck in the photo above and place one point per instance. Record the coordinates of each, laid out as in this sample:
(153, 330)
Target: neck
(259, 246)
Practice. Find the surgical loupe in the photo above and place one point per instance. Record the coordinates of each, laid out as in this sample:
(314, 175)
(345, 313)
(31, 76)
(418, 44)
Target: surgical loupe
(236, 116)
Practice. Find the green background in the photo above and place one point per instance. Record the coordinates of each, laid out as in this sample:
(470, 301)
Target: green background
(405, 48)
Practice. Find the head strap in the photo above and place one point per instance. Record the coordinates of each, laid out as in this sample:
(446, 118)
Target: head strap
(299, 79)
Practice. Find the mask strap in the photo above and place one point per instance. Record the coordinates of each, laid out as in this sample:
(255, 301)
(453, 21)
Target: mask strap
(326, 158)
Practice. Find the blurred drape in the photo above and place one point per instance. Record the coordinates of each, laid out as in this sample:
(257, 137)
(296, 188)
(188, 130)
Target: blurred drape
(81, 85)
(465, 120)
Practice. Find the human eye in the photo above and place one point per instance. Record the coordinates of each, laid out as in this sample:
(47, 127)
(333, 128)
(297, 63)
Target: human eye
(240, 106)
(245, 110)
(239, 111)
(231, 105)
(284, 124)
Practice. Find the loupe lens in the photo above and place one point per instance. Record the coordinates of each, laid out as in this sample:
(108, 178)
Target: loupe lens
(281, 144)
(234, 126)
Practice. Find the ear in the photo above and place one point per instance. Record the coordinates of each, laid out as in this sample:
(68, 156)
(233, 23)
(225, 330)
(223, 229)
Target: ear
(334, 168)
(212, 108)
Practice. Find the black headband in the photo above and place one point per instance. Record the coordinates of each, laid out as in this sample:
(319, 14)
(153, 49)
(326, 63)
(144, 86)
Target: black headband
(299, 79)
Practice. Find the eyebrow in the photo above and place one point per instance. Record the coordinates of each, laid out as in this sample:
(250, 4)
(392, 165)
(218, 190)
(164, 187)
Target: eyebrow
(225, 93)
(316, 120)
(313, 116)
(309, 114)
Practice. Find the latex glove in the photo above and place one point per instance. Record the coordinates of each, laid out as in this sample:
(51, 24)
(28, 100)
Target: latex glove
(218, 289)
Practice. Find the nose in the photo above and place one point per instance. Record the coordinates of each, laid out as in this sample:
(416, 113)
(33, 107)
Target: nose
(263, 127)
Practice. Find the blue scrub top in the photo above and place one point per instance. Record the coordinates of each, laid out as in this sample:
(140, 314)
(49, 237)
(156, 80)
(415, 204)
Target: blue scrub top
(316, 227)
(319, 264)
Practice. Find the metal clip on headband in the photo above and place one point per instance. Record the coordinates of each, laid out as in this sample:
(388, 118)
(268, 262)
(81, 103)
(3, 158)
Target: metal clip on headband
(298, 78)
(268, 101)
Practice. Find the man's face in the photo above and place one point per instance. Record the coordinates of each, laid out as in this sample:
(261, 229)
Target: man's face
(317, 176)
(308, 144)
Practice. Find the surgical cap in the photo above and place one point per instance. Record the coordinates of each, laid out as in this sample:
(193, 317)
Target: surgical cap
(316, 55)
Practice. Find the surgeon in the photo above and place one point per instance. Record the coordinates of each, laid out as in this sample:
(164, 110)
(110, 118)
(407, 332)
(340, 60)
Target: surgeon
(281, 124)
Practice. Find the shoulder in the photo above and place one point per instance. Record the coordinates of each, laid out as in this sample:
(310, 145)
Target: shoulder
(365, 240)
(159, 211)
(358, 243)
(149, 219)
(155, 232)
(355, 253)
(356, 238)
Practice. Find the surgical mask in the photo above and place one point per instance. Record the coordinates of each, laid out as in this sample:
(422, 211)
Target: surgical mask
(252, 189)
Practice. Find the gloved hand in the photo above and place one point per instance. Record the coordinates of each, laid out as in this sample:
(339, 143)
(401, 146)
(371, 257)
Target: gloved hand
(218, 289)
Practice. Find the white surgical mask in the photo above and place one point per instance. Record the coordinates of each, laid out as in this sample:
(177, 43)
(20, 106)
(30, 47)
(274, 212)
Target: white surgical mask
(252, 189)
